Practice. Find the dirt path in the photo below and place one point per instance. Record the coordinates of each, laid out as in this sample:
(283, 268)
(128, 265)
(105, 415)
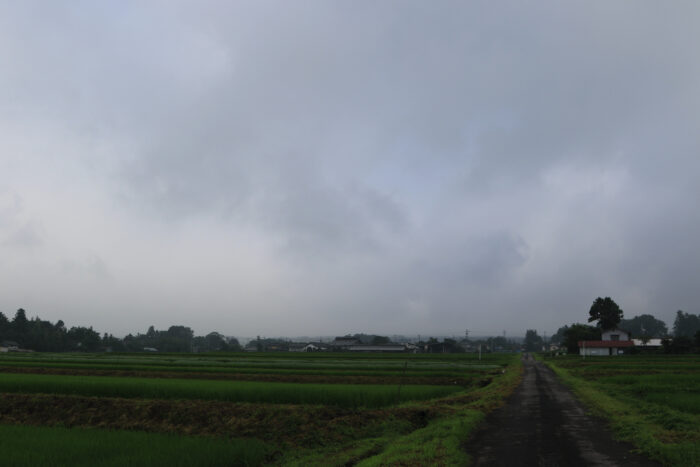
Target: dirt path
(542, 424)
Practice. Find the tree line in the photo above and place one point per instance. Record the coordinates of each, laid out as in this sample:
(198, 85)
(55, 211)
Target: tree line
(45, 336)
(684, 338)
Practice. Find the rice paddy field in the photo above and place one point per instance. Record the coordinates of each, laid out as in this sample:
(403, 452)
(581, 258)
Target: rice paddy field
(246, 409)
(651, 400)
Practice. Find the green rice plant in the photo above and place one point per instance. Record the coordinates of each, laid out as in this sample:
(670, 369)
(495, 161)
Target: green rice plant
(283, 364)
(344, 395)
(29, 446)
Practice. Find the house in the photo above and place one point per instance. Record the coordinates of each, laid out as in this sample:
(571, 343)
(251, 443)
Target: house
(315, 347)
(297, 347)
(310, 347)
(613, 342)
(615, 334)
(653, 343)
(343, 343)
(9, 346)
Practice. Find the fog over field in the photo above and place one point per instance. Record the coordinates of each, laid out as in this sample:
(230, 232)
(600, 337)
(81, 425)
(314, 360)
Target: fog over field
(325, 167)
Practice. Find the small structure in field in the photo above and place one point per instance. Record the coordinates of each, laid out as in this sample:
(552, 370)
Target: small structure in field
(613, 342)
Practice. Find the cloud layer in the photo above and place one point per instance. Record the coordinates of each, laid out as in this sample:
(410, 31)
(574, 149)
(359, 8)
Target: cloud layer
(317, 168)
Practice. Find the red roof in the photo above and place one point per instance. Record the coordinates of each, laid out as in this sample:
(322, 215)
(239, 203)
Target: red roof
(605, 344)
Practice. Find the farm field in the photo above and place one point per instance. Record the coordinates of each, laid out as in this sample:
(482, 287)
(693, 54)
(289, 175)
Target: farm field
(247, 409)
(651, 400)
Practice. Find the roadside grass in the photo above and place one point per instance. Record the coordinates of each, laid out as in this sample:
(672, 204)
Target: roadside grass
(441, 442)
(343, 395)
(32, 446)
(639, 408)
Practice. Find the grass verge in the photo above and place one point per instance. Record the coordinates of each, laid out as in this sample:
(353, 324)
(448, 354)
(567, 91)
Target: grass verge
(659, 431)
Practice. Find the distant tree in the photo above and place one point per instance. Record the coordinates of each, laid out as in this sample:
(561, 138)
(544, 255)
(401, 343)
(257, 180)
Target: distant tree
(380, 340)
(606, 312)
(533, 342)
(678, 345)
(112, 344)
(212, 342)
(644, 326)
(84, 339)
(558, 337)
(579, 332)
(4, 326)
(20, 324)
(175, 339)
(234, 345)
(686, 324)
(451, 346)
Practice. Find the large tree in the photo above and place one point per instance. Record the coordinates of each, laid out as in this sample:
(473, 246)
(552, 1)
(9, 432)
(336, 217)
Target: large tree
(579, 332)
(533, 342)
(644, 326)
(606, 312)
(686, 324)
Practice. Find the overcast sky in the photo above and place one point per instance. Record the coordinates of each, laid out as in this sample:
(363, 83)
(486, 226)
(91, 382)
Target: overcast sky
(318, 167)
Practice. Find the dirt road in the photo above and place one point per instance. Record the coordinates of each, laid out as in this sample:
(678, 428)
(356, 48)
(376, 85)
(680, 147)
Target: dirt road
(542, 424)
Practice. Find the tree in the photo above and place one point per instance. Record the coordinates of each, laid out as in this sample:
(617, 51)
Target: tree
(451, 346)
(234, 345)
(606, 312)
(4, 325)
(644, 326)
(533, 342)
(380, 340)
(680, 344)
(84, 339)
(579, 332)
(686, 324)
(558, 336)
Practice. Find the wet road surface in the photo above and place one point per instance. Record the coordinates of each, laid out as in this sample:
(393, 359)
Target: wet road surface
(542, 424)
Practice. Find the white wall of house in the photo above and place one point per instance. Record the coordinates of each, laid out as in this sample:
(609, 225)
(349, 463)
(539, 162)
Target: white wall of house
(609, 335)
(593, 351)
(600, 351)
(650, 343)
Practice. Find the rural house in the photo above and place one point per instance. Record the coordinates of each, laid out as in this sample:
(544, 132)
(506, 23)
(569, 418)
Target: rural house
(613, 342)
(343, 343)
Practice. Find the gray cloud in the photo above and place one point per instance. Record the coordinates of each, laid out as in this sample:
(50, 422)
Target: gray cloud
(317, 168)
